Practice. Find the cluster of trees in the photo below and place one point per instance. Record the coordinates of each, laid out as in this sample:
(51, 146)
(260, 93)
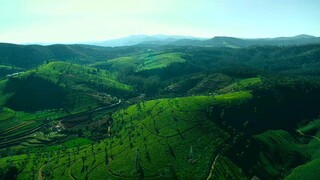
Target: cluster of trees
(9, 173)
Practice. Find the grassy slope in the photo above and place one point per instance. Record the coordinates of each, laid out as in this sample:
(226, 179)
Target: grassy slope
(226, 169)
(211, 83)
(199, 83)
(242, 84)
(311, 169)
(161, 61)
(279, 154)
(175, 124)
(291, 156)
(118, 63)
(55, 71)
(142, 62)
(6, 113)
(3, 97)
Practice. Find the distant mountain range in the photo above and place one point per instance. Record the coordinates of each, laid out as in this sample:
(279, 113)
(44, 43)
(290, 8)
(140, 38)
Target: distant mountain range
(27, 56)
(218, 41)
(142, 39)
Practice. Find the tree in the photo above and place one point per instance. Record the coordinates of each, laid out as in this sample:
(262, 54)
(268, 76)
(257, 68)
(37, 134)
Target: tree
(83, 158)
(173, 173)
(191, 153)
(2, 172)
(148, 156)
(106, 156)
(11, 173)
(139, 169)
(171, 151)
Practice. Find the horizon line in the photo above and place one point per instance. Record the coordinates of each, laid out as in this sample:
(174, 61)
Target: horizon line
(91, 42)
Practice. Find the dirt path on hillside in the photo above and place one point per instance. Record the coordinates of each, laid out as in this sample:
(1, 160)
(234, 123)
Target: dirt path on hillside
(212, 167)
(69, 173)
(40, 177)
(307, 135)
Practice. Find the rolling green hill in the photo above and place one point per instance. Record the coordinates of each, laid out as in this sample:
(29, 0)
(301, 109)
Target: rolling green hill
(288, 156)
(309, 135)
(173, 59)
(140, 63)
(160, 61)
(127, 63)
(62, 85)
(8, 70)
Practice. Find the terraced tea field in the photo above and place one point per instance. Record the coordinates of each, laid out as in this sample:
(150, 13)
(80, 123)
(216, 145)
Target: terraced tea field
(18, 127)
(156, 139)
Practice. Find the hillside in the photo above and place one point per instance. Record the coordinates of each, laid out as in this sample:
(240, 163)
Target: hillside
(31, 56)
(62, 85)
(144, 62)
(168, 138)
(166, 143)
(34, 100)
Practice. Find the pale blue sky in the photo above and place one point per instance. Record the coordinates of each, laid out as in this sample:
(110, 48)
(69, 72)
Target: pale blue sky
(53, 21)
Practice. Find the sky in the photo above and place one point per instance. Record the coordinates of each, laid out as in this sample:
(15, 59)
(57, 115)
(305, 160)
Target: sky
(70, 21)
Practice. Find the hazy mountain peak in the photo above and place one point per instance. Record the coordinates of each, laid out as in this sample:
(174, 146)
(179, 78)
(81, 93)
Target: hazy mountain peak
(141, 38)
(306, 36)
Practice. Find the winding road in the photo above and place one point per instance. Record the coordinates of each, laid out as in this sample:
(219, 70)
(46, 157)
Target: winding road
(307, 135)
(212, 167)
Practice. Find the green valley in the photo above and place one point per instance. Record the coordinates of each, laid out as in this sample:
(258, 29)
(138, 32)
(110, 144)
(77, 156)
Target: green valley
(159, 112)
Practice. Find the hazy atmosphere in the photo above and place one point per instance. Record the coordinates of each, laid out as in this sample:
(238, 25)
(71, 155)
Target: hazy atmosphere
(159, 89)
(60, 21)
